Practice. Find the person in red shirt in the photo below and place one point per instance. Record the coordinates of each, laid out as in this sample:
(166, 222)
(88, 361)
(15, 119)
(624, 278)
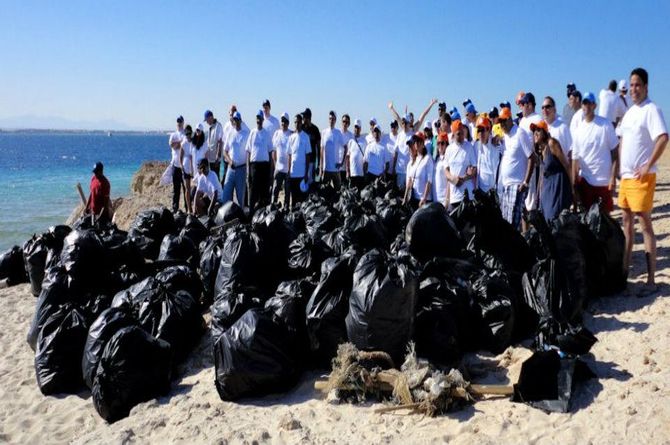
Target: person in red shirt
(99, 203)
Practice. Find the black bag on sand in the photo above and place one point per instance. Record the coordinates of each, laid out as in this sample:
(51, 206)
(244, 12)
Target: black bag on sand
(101, 331)
(431, 233)
(179, 248)
(241, 261)
(366, 231)
(210, 260)
(134, 367)
(229, 212)
(306, 255)
(41, 251)
(149, 228)
(382, 304)
(194, 230)
(436, 332)
(258, 355)
(12, 267)
(81, 257)
(60, 345)
(495, 300)
(328, 307)
(612, 244)
(229, 306)
(176, 278)
(54, 293)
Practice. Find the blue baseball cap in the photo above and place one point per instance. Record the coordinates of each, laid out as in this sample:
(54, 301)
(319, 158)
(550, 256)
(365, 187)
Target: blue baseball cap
(208, 113)
(527, 98)
(260, 113)
(470, 108)
(454, 114)
(589, 97)
(237, 115)
(180, 119)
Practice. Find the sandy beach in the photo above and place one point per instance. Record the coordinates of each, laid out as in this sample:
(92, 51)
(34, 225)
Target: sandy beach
(628, 403)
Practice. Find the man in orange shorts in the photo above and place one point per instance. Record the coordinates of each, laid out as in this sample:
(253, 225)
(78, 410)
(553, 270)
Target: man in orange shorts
(644, 136)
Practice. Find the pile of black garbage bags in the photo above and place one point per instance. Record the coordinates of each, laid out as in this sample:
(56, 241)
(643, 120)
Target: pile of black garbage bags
(119, 311)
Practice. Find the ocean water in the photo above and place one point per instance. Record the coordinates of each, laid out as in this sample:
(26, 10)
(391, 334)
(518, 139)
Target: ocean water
(39, 171)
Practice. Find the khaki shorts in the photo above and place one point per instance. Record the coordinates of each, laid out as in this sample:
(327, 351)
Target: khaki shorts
(638, 194)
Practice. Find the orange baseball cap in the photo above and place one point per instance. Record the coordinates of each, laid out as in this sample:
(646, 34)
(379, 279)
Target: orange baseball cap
(505, 113)
(456, 125)
(420, 135)
(542, 125)
(519, 96)
(442, 137)
(483, 121)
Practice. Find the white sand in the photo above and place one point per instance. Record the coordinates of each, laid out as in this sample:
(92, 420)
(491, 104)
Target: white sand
(629, 403)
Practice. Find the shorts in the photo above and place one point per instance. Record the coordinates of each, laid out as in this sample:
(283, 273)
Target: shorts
(589, 194)
(637, 194)
(187, 176)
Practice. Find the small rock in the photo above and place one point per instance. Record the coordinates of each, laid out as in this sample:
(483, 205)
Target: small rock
(288, 423)
(631, 411)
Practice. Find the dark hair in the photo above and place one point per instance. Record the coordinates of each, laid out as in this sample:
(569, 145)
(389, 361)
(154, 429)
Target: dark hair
(332, 113)
(422, 150)
(642, 74)
(198, 139)
(347, 116)
(394, 124)
(188, 129)
(203, 163)
(447, 118)
(551, 99)
(577, 94)
(612, 85)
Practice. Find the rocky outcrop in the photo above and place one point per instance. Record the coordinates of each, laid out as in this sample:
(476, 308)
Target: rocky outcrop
(145, 192)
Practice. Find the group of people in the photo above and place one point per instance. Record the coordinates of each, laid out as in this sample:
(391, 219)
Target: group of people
(534, 161)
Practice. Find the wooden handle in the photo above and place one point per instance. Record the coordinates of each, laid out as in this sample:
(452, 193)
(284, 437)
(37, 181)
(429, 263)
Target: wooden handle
(492, 390)
(81, 194)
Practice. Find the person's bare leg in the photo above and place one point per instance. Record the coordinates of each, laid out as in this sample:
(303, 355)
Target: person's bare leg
(649, 245)
(629, 233)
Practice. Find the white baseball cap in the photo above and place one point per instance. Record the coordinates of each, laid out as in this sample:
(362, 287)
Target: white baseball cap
(428, 124)
(623, 85)
(357, 123)
(373, 120)
(284, 115)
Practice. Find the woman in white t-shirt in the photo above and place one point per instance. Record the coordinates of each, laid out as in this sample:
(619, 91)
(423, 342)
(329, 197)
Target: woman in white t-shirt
(186, 161)
(440, 183)
(488, 156)
(419, 174)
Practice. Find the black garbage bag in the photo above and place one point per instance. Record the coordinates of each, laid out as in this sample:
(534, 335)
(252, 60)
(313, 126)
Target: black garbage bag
(108, 323)
(436, 333)
(149, 228)
(179, 219)
(306, 254)
(288, 306)
(256, 356)
(229, 307)
(179, 248)
(180, 278)
(393, 214)
(366, 231)
(54, 293)
(166, 313)
(12, 267)
(382, 304)
(241, 262)
(338, 240)
(319, 218)
(229, 212)
(194, 230)
(60, 346)
(82, 257)
(35, 252)
(210, 259)
(547, 381)
(296, 219)
(276, 235)
(430, 233)
(570, 339)
(134, 367)
(573, 243)
(495, 300)
(328, 307)
(612, 243)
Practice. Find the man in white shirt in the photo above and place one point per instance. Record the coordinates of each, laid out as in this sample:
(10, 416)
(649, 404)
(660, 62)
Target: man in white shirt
(356, 158)
(208, 192)
(529, 116)
(573, 106)
(260, 163)
(594, 157)
(608, 102)
(488, 156)
(342, 152)
(370, 136)
(376, 157)
(623, 101)
(557, 128)
(214, 141)
(470, 117)
(461, 167)
(235, 155)
(644, 136)
(175, 141)
(270, 123)
(516, 167)
(331, 144)
(299, 149)
(402, 151)
(280, 153)
(389, 141)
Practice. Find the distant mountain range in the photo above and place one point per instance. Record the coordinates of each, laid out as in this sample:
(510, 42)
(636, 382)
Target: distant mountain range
(60, 123)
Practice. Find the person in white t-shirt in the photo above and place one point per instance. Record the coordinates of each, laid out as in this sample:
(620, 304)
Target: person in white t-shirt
(389, 141)
(280, 153)
(409, 117)
(260, 162)
(608, 102)
(208, 192)
(572, 106)
(594, 157)
(623, 101)
(299, 149)
(402, 152)
(198, 149)
(440, 182)
(461, 167)
(529, 116)
(214, 140)
(187, 165)
(175, 140)
(420, 172)
(644, 136)
(488, 156)
(470, 118)
(331, 146)
(375, 160)
(370, 136)
(516, 167)
(270, 123)
(557, 128)
(235, 155)
(342, 152)
(356, 158)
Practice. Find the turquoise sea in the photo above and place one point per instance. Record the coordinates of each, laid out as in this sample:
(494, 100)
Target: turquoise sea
(39, 171)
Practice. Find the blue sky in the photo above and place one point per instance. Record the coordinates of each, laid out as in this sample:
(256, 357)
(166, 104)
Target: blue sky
(142, 63)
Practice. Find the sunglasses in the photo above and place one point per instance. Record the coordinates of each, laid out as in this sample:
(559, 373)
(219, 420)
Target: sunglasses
(481, 129)
(547, 107)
